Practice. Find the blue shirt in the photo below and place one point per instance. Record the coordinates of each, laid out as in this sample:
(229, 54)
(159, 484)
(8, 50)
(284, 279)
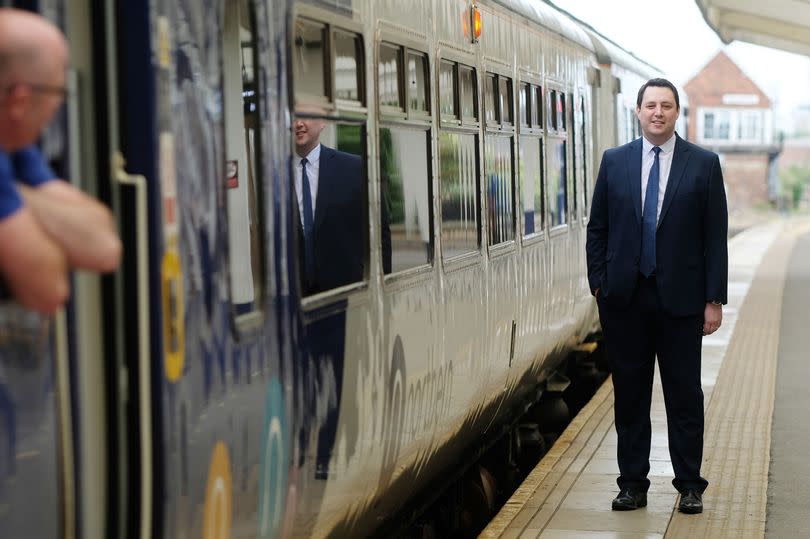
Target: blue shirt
(26, 165)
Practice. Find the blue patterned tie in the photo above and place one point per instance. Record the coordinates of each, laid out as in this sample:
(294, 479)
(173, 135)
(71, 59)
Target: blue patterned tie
(649, 219)
(309, 243)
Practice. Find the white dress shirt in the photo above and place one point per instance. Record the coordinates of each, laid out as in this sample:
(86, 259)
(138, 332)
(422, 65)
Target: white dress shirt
(313, 168)
(664, 165)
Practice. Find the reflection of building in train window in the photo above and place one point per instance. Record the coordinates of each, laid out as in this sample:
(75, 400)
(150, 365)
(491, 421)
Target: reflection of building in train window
(531, 175)
(242, 169)
(309, 59)
(348, 49)
(530, 159)
(499, 172)
(405, 177)
(557, 184)
(458, 161)
(390, 67)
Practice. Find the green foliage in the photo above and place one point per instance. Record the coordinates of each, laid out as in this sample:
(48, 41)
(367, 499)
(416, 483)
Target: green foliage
(391, 179)
(794, 182)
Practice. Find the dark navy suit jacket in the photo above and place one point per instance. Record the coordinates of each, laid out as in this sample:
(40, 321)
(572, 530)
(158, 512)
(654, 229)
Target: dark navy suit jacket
(691, 239)
(340, 228)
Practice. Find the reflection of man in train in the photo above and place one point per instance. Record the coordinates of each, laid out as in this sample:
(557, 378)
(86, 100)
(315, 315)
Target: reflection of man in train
(46, 225)
(330, 188)
(658, 266)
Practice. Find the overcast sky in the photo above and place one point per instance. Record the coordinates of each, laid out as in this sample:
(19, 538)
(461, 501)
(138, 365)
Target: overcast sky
(673, 36)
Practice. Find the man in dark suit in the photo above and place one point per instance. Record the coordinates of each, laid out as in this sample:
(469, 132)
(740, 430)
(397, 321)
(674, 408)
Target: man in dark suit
(333, 218)
(658, 266)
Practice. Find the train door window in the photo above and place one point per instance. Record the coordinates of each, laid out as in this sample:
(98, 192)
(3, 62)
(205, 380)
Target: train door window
(332, 225)
(348, 51)
(531, 170)
(498, 162)
(447, 90)
(490, 102)
(557, 181)
(405, 177)
(458, 153)
(404, 138)
(538, 99)
(500, 199)
(583, 147)
(389, 77)
(505, 97)
(417, 83)
(459, 185)
(531, 163)
(468, 94)
(569, 113)
(243, 167)
(309, 61)
(525, 104)
(552, 110)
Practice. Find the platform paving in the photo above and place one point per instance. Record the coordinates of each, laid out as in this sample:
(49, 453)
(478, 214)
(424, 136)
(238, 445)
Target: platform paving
(568, 494)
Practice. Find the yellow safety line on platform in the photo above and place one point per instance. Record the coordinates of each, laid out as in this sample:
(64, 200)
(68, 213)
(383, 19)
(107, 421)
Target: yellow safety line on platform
(563, 457)
(738, 421)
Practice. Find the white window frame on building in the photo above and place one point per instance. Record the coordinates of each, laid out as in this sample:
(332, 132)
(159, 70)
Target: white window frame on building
(734, 126)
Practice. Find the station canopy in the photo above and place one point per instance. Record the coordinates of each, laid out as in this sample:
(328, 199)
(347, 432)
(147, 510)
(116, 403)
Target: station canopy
(781, 24)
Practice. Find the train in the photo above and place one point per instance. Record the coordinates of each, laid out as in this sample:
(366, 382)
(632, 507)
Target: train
(203, 389)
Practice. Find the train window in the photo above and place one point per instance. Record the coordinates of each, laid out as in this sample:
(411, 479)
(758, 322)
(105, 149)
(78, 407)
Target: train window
(538, 120)
(531, 166)
(584, 149)
(490, 103)
(417, 83)
(468, 94)
(243, 166)
(576, 172)
(332, 223)
(562, 111)
(505, 100)
(309, 59)
(552, 110)
(557, 181)
(348, 56)
(405, 176)
(525, 97)
(499, 177)
(458, 183)
(447, 89)
(389, 76)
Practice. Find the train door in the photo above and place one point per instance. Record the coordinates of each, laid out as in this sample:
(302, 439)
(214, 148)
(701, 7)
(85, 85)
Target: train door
(38, 360)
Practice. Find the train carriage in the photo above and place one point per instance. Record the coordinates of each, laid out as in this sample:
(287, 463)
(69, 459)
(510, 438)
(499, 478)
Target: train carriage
(213, 386)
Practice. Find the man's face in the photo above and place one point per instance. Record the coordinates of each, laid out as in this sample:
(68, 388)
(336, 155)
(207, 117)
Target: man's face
(657, 114)
(33, 101)
(307, 132)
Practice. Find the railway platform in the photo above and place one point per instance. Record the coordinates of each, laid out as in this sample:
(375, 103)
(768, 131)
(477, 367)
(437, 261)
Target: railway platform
(757, 437)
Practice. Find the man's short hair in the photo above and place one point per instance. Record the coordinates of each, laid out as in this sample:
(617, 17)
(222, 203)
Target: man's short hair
(662, 83)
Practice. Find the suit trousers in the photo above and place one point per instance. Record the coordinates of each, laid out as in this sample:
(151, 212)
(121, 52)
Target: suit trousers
(633, 336)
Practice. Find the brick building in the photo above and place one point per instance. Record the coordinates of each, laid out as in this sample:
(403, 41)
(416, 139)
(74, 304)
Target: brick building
(729, 114)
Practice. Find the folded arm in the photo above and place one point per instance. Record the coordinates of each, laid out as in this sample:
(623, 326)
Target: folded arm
(80, 225)
(32, 264)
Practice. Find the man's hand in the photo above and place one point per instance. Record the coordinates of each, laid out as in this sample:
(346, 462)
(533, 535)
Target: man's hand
(712, 318)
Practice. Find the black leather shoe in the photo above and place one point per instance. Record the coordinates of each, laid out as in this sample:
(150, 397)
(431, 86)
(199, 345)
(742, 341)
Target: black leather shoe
(627, 500)
(691, 502)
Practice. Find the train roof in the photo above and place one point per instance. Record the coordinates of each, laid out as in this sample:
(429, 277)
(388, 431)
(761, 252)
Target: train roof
(551, 17)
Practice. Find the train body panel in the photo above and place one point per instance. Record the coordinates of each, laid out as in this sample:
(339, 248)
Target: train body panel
(287, 412)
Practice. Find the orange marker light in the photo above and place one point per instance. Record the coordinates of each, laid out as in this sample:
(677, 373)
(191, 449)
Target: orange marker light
(476, 20)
